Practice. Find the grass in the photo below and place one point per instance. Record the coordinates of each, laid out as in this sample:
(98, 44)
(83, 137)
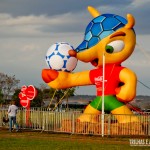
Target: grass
(49, 141)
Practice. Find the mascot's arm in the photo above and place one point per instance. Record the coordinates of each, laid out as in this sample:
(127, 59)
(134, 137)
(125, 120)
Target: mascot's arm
(127, 91)
(62, 80)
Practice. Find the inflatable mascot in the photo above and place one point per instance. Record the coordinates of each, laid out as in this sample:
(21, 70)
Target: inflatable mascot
(113, 37)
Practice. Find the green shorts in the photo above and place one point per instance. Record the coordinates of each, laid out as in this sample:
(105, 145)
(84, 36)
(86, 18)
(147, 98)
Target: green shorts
(110, 103)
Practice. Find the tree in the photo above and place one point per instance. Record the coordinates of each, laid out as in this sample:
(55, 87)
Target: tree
(1, 97)
(16, 97)
(58, 95)
(43, 86)
(46, 93)
(38, 100)
(8, 84)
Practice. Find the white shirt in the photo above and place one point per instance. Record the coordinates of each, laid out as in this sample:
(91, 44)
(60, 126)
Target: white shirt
(12, 110)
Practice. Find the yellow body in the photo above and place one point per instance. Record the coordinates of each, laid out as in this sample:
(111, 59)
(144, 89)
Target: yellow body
(124, 36)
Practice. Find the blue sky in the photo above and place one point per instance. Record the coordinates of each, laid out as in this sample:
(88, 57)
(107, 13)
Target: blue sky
(29, 27)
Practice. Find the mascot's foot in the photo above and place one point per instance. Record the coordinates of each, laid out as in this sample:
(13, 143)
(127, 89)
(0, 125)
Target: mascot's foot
(88, 118)
(90, 115)
(49, 75)
(124, 115)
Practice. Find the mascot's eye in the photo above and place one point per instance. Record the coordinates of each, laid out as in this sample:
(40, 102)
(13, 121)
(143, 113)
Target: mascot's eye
(115, 46)
(109, 49)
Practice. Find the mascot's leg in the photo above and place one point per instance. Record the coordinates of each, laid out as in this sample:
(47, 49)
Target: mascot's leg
(122, 113)
(90, 114)
(126, 115)
(92, 111)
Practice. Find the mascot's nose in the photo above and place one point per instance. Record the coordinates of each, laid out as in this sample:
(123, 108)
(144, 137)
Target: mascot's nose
(72, 53)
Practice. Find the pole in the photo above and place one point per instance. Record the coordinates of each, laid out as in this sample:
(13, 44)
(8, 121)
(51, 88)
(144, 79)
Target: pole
(28, 115)
(67, 103)
(103, 90)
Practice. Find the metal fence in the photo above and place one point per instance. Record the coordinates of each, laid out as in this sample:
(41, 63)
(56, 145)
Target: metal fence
(66, 122)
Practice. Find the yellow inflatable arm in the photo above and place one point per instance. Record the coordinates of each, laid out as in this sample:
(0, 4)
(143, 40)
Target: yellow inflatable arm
(67, 80)
(127, 92)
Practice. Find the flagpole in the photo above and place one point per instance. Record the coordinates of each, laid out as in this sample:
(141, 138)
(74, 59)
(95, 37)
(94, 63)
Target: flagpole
(103, 89)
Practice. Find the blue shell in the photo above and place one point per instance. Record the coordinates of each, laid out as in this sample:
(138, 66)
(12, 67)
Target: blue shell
(99, 28)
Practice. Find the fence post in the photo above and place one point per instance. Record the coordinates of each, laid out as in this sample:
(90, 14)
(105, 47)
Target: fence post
(148, 124)
(73, 123)
(109, 123)
(43, 122)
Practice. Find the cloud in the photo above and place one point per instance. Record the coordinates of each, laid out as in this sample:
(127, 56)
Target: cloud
(139, 3)
(70, 17)
(22, 25)
(28, 7)
(28, 28)
(39, 25)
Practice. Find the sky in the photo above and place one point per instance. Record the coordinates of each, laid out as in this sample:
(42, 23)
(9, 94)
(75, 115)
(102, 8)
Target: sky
(29, 27)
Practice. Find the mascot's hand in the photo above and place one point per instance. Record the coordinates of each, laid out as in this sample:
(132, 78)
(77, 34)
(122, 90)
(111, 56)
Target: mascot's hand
(124, 94)
(49, 75)
(127, 91)
(56, 79)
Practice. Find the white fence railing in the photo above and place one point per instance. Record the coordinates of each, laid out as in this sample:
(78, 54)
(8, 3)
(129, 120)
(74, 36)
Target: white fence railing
(67, 122)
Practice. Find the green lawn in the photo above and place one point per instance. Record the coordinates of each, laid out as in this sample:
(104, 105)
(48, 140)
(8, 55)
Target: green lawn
(48, 141)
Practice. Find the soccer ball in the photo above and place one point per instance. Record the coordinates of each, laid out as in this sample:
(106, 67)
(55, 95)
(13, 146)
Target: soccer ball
(99, 28)
(57, 57)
